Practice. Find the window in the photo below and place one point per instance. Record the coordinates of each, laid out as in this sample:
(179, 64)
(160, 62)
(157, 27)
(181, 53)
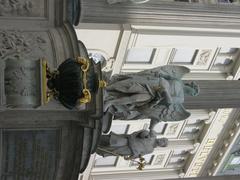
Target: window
(225, 59)
(140, 55)
(184, 55)
(160, 128)
(105, 161)
(228, 50)
(199, 59)
(120, 128)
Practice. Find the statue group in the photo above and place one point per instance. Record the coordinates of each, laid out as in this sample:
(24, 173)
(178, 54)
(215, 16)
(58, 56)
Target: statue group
(156, 94)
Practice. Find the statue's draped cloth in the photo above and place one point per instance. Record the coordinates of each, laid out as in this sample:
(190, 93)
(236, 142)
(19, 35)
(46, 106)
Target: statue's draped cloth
(157, 94)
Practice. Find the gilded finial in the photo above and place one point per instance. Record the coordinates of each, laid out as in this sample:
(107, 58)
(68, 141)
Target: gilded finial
(86, 97)
(141, 163)
(85, 63)
(102, 84)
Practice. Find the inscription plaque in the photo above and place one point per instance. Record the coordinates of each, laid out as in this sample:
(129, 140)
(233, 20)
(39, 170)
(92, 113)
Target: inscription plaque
(29, 155)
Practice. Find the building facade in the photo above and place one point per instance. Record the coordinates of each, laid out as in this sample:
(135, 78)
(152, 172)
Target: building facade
(202, 35)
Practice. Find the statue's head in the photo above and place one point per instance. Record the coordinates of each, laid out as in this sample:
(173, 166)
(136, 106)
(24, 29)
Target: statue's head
(191, 89)
(162, 142)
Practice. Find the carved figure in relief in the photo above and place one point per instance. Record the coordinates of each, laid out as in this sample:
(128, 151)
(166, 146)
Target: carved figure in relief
(15, 7)
(14, 44)
(20, 82)
(133, 145)
(204, 57)
(157, 94)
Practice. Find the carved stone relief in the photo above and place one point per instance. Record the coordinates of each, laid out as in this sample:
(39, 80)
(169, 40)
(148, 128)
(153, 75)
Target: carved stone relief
(20, 45)
(21, 8)
(15, 7)
(22, 83)
(172, 129)
(159, 159)
(19, 52)
(204, 57)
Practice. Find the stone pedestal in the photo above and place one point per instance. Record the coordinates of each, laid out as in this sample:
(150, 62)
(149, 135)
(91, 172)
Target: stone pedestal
(41, 141)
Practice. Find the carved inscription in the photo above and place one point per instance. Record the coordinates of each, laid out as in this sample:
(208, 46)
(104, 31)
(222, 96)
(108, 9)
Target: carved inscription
(16, 7)
(19, 45)
(224, 115)
(201, 158)
(29, 154)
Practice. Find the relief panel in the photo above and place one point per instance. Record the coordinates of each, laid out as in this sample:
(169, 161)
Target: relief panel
(24, 45)
(22, 83)
(204, 57)
(24, 8)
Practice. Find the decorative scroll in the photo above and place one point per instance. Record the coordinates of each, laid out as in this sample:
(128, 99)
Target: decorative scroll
(29, 154)
(19, 45)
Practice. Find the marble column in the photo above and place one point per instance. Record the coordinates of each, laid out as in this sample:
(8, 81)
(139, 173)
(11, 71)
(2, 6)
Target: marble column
(215, 94)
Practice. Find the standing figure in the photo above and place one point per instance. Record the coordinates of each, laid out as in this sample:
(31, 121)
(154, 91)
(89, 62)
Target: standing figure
(132, 145)
(157, 94)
